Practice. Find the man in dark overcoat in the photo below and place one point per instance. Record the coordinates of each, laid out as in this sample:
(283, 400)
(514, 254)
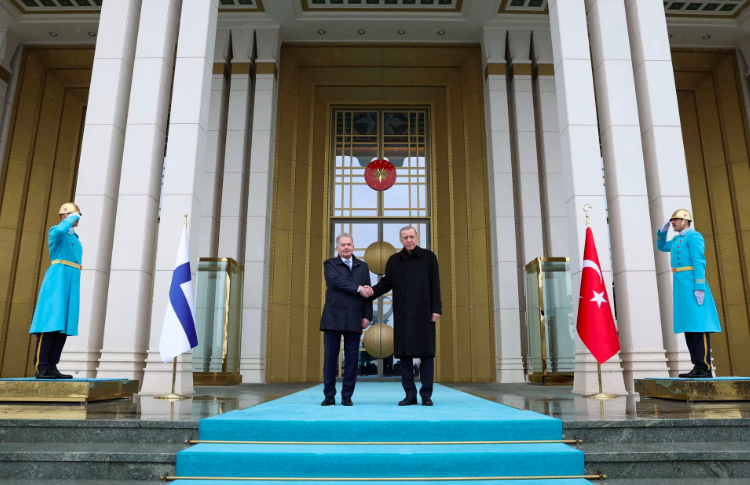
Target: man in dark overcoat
(412, 274)
(346, 312)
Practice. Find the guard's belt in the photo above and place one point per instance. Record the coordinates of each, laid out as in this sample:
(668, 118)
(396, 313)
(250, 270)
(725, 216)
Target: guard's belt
(686, 268)
(67, 263)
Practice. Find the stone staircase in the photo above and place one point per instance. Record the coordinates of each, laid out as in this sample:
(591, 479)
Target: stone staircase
(75, 452)
(666, 451)
(636, 452)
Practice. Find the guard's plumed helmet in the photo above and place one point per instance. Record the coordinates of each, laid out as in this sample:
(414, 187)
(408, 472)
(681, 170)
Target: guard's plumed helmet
(682, 214)
(69, 208)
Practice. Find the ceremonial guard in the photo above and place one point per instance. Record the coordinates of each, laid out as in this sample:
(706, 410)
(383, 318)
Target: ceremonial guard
(56, 314)
(695, 312)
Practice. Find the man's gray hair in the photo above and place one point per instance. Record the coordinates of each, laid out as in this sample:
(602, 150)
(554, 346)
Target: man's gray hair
(344, 234)
(406, 228)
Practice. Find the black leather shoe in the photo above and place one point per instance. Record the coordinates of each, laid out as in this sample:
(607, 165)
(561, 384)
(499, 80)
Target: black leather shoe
(702, 374)
(409, 401)
(347, 401)
(45, 375)
(427, 402)
(329, 401)
(688, 375)
(58, 375)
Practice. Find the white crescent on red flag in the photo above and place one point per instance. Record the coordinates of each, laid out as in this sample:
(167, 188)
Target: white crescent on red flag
(595, 324)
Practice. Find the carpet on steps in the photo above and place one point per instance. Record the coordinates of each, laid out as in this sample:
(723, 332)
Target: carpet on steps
(376, 418)
(383, 461)
(574, 481)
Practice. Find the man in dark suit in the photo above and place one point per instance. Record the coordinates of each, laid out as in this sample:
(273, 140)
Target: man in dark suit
(413, 275)
(346, 312)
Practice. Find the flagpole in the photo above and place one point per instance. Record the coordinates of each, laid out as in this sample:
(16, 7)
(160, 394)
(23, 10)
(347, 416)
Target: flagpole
(600, 395)
(173, 396)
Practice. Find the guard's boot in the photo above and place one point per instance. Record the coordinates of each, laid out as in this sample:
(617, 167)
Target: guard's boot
(59, 375)
(688, 375)
(702, 374)
(45, 375)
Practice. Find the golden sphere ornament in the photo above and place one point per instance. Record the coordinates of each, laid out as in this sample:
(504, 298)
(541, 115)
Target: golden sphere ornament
(378, 341)
(377, 254)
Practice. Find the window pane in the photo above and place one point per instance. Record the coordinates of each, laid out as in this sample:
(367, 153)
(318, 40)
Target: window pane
(395, 123)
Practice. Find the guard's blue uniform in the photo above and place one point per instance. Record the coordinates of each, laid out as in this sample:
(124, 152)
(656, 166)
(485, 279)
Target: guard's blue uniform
(688, 249)
(58, 303)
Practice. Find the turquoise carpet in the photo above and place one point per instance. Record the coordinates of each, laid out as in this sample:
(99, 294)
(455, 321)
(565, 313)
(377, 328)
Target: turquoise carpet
(375, 417)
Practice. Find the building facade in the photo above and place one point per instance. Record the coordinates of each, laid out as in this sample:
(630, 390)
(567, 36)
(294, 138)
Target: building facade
(503, 118)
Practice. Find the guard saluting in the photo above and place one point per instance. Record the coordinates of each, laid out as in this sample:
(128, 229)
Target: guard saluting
(694, 308)
(56, 314)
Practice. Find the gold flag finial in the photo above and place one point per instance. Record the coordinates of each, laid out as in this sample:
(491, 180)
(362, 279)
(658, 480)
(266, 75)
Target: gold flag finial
(587, 209)
(186, 219)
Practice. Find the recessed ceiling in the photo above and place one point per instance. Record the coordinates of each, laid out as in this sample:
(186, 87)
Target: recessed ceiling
(94, 6)
(523, 6)
(706, 9)
(381, 5)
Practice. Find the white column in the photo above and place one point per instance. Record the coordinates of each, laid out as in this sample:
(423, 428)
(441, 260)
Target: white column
(99, 175)
(579, 141)
(237, 155)
(554, 221)
(524, 139)
(508, 326)
(257, 245)
(131, 276)
(208, 238)
(184, 166)
(642, 349)
(530, 239)
(663, 149)
(10, 60)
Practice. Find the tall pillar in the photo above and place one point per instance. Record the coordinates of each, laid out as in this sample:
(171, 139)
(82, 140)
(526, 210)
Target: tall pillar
(554, 223)
(642, 351)
(530, 238)
(186, 149)
(237, 155)
(579, 141)
(131, 277)
(10, 60)
(213, 171)
(99, 175)
(663, 149)
(508, 326)
(258, 225)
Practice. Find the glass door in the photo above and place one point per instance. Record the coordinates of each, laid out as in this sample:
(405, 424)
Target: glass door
(360, 136)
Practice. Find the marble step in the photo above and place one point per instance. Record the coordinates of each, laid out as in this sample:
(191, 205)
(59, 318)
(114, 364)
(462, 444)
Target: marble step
(93, 461)
(685, 460)
(659, 430)
(96, 431)
(123, 431)
(80, 482)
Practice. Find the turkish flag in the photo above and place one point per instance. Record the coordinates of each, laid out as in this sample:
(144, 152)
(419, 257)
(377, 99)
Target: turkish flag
(595, 325)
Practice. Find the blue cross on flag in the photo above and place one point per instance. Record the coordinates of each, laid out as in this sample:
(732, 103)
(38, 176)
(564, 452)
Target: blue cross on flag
(178, 332)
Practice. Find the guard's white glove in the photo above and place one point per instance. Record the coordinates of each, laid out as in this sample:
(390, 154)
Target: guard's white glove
(699, 295)
(665, 227)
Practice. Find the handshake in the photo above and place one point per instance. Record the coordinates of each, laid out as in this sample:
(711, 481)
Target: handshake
(366, 291)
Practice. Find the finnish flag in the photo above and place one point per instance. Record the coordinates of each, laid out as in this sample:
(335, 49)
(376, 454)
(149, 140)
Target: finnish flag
(178, 332)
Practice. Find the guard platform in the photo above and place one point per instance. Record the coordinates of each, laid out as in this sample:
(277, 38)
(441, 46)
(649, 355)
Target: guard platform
(695, 390)
(29, 389)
